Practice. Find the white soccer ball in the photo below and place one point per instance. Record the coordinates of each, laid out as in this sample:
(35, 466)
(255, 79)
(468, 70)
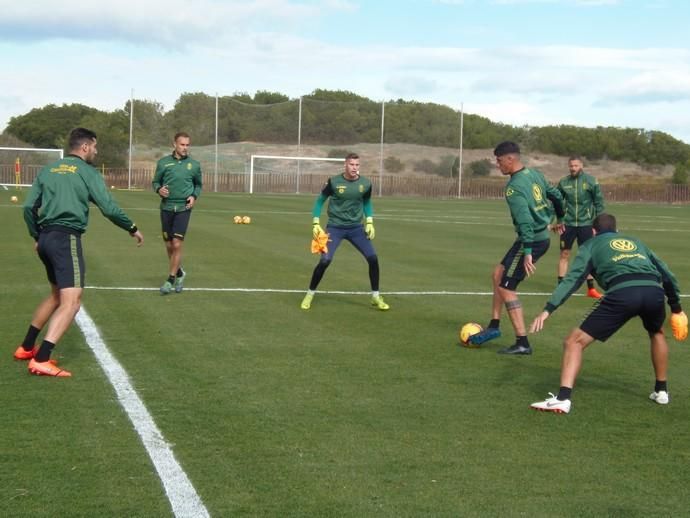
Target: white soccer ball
(246, 220)
(237, 220)
(14, 199)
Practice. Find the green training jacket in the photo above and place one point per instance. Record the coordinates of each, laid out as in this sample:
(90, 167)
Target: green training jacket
(61, 193)
(528, 195)
(583, 199)
(183, 178)
(616, 261)
(350, 201)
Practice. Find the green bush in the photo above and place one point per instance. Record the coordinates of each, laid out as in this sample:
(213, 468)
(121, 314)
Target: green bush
(393, 164)
(680, 173)
(339, 153)
(480, 167)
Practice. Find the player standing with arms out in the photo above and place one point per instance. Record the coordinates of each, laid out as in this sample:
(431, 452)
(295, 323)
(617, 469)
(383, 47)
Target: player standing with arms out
(583, 203)
(528, 194)
(57, 214)
(635, 280)
(177, 181)
(349, 204)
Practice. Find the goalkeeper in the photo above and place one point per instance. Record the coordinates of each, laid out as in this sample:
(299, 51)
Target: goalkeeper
(349, 204)
(635, 280)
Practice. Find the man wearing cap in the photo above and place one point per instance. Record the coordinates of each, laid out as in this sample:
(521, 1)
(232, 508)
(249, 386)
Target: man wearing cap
(527, 194)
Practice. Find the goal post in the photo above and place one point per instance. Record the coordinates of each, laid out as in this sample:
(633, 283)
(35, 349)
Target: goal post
(276, 161)
(20, 165)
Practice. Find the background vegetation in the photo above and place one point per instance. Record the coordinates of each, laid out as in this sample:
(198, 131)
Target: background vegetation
(338, 118)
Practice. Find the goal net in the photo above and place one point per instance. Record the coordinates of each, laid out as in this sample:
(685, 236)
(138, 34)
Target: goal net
(271, 173)
(20, 165)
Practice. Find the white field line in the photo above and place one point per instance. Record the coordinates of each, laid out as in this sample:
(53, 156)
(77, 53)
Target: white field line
(181, 494)
(334, 292)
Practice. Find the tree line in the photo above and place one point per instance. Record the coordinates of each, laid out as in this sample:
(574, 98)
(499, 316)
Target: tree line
(332, 117)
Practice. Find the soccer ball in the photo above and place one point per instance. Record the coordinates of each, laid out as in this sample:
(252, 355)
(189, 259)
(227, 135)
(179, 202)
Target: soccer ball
(237, 220)
(14, 199)
(246, 220)
(468, 330)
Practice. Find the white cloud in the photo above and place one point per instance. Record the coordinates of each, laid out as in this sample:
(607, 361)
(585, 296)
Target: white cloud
(260, 45)
(169, 23)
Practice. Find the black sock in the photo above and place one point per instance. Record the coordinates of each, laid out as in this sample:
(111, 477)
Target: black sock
(660, 386)
(495, 322)
(564, 393)
(179, 273)
(560, 279)
(171, 279)
(30, 338)
(522, 340)
(590, 284)
(43, 354)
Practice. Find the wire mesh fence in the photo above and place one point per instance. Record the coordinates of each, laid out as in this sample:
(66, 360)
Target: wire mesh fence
(227, 131)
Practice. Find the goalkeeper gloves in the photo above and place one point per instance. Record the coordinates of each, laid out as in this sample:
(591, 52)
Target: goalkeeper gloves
(319, 245)
(369, 228)
(679, 325)
(316, 228)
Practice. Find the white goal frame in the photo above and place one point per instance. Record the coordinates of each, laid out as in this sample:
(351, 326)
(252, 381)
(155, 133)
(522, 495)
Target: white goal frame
(276, 157)
(28, 149)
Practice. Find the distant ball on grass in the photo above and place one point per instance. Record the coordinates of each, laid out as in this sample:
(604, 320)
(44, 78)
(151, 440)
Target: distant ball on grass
(237, 220)
(112, 187)
(246, 220)
(14, 199)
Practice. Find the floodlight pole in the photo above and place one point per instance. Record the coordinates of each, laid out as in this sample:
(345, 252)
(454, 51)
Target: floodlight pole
(131, 131)
(460, 156)
(299, 142)
(215, 167)
(383, 119)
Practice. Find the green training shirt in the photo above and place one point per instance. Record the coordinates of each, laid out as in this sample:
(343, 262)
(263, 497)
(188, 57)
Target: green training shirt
(61, 193)
(350, 201)
(610, 255)
(528, 195)
(583, 199)
(183, 178)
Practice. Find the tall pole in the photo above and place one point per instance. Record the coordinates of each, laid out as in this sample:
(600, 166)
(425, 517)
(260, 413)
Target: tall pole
(383, 119)
(215, 168)
(460, 157)
(131, 132)
(299, 141)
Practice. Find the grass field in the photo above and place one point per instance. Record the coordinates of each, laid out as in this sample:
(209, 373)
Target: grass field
(342, 410)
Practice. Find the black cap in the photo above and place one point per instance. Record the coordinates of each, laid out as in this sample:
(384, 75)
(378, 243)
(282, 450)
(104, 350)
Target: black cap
(506, 148)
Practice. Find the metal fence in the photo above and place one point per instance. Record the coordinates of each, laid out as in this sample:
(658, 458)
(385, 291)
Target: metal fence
(424, 186)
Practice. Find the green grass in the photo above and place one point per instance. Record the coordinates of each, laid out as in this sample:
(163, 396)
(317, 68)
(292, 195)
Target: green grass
(342, 410)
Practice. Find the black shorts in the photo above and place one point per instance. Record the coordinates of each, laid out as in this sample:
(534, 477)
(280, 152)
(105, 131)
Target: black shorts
(514, 263)
(616, 307)
(174, 224)
(571, 233)
(61, 253)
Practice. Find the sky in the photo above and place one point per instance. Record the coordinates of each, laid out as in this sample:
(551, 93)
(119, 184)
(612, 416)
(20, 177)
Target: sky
(622, 63)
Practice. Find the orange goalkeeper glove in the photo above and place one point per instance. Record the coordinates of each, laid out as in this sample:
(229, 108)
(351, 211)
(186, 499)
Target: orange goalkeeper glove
(679, 325)
(319, 245)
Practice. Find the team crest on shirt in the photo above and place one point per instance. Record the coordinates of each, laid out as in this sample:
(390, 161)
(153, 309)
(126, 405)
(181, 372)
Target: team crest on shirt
(509, 191)
(536, 192)
(361, 188)
(622, 245)
(341, 189)
(189, 167)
